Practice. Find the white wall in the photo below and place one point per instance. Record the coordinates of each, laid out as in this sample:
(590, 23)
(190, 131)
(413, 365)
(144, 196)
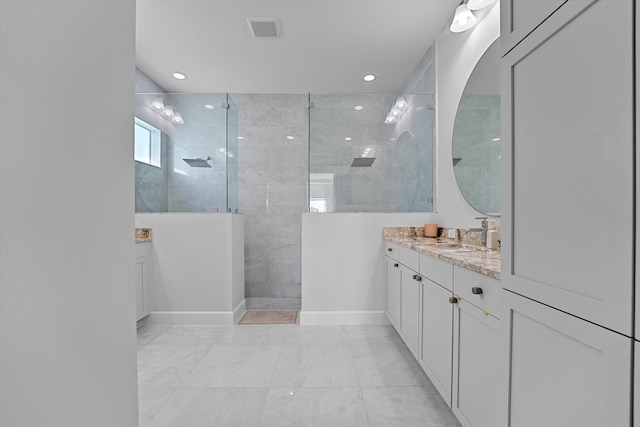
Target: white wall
(67, 300)
(197, 266)
(343, 265)
(456, 56)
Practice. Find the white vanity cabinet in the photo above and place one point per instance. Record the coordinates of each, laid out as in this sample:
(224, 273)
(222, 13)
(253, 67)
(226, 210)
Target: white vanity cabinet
(410, 311)
(568, 125)
(478, 398)
(436, 353)
(562, 370)
(392, 292)
(142, 279)
(402, 295)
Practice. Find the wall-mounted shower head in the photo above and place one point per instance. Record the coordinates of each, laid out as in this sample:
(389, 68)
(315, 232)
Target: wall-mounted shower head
(202, 162)
(362, 162)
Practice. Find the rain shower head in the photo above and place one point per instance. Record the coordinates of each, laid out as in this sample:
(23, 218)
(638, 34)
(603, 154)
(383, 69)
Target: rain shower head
(202, 162)
(362, 162)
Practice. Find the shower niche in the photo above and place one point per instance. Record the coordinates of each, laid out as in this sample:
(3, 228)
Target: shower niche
(197, 165)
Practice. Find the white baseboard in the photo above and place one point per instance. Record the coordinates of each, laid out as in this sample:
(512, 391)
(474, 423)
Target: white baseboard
(343, 318)
(239, 311)
(191, 318)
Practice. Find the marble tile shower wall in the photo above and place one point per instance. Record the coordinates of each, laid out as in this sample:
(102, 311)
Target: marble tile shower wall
(400, 178)
(272, 190)
(204, 134)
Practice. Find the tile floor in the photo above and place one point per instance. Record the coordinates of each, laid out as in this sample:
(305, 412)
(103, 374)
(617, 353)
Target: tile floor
(283, 375)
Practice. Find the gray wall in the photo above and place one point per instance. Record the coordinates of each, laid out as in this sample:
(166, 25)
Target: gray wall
(272, 184)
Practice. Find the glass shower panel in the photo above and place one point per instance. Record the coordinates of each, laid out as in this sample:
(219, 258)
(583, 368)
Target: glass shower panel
(192, 176)
(232, 155)
(359, 163)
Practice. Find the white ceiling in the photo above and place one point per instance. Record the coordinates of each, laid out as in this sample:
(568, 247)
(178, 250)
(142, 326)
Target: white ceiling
(326, 45)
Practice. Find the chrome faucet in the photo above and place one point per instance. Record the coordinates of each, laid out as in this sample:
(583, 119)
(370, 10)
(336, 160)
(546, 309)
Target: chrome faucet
(484, 227)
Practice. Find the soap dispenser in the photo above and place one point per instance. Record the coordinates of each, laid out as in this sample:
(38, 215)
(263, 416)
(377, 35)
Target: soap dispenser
(492, 235)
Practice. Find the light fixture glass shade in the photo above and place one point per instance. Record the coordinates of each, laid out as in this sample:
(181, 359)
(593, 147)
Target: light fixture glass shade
(401, 103)
(463, 19)
(479, 4)
(390, 119)
(157, 103)
(168, 111)
(177, 118)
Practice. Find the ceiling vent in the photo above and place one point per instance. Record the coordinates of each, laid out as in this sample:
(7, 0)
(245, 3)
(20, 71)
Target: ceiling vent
(264, 27)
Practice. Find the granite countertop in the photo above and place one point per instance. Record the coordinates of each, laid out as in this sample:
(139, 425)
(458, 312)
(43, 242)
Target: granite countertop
(485, 262)
(143, 235)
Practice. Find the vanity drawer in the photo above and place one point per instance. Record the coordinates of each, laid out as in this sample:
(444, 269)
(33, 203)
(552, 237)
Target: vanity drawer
(487, 290)
(391, 250)
(437, 271)
(410, 258)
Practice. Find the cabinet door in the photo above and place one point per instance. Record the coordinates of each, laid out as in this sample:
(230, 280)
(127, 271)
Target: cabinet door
(410, 311)
(568, 166)
(564, 371)
(518, 18)
(477, 398)
(437, 336)
(141, 272)
(392, 300)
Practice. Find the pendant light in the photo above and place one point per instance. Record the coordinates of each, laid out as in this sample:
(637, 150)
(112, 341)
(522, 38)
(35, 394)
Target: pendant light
(463, 19)
(479, 4)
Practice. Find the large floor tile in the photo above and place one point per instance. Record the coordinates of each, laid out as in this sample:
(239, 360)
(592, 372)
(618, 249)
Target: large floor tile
(314, 407)
(191, 334)
(372, 334)
(148, 333)
(315, 365)
(387, 365)
(254, 334)
(316, 334)
(235, 366)
(406, 407)
(168, 365)
(151, 400)
(224, 407)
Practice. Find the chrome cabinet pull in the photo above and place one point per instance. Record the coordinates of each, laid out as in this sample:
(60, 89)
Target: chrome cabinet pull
(453, 300)
(476, 291)
(395, 264)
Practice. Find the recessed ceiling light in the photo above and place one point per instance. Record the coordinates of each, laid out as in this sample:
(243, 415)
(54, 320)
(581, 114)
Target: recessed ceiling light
(208, 106)
(348, 138)
(358, 107)
(290, 137)
(240, 137)
(369, 77)
(178, 75)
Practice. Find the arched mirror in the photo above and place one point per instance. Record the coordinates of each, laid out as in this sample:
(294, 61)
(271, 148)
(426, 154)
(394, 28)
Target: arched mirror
(476, 135)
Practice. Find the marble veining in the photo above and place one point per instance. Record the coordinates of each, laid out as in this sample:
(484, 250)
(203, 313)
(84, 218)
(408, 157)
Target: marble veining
(467, 256)
(143, 235)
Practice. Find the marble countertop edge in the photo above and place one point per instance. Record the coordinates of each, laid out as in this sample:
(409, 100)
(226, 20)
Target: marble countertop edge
(143, 235)
(484, 262)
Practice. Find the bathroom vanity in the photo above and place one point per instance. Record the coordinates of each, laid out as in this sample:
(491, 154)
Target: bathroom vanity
(444, 300)
(142, 272)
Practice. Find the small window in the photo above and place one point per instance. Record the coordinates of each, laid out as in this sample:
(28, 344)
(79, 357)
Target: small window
(147, 143)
